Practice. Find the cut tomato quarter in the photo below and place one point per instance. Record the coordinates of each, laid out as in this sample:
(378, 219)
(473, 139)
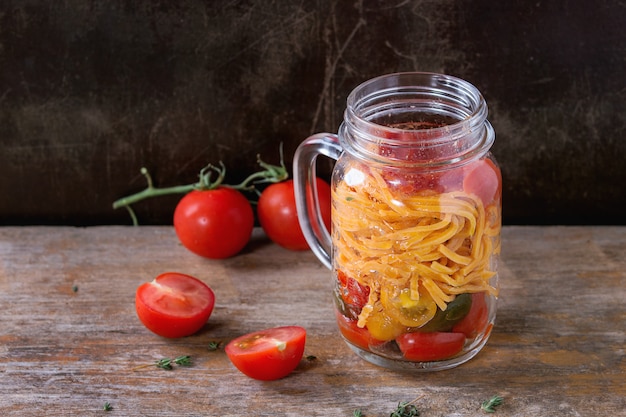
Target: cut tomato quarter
(268, 354)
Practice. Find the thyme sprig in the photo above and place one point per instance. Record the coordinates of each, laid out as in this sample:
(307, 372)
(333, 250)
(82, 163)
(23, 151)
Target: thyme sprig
(167, 363)
(405, 409)
(490, 405)
(107, 406)
(214, 345)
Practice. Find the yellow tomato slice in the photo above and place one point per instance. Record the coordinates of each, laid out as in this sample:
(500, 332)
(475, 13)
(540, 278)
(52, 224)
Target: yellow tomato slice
(382, 327)
(399, 306)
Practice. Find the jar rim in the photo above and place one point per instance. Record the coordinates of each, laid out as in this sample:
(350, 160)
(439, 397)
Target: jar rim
(438, 87)
(466, 129)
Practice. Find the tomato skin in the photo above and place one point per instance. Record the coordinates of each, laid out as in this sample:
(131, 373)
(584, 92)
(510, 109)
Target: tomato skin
(476, 320)
(278, 216)
(215, 223)
(268, 354)
(352, 293)
(174, 305)
(426, 347)
(354, 334)
(483, 178)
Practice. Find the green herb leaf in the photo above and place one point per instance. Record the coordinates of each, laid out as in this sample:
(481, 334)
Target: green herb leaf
(214, 345)
(490, 405)
(405, 410)
(107, 406)
(183, 360)
(167, 363)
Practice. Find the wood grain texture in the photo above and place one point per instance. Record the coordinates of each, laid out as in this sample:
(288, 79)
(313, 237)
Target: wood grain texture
(557, 348)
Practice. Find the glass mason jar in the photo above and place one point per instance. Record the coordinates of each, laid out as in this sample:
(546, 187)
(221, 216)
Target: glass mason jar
(416, 216)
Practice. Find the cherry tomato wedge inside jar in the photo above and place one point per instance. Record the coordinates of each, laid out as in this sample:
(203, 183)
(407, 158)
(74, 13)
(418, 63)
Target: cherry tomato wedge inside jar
(268, 354)
(435, 346)
(359, 337)
(174, 305)
(476, 320)
(483, 178)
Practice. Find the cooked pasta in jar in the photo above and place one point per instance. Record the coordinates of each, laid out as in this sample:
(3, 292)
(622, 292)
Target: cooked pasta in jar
(415, 257)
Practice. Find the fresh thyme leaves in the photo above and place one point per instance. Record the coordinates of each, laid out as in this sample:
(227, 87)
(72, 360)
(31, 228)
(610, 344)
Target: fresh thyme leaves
(167, 363)
(490, 405)
(107, 406)
(214, 345)
(406, 410)
(357, 413)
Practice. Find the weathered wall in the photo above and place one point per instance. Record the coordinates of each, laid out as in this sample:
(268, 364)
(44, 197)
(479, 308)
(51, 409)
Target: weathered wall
(90, 91)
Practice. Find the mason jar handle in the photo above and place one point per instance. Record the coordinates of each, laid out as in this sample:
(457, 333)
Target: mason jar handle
(305, 188)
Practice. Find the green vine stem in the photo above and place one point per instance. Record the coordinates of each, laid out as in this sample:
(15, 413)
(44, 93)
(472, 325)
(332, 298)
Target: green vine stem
(268, 174)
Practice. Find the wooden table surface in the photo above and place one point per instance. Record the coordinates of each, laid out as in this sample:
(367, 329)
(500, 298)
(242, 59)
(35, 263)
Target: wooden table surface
(69, 336)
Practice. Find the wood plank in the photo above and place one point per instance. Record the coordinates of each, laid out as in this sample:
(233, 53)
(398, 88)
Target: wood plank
(557, 348)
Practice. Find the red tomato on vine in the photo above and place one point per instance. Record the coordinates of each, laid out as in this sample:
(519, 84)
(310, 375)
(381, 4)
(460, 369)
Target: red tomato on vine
(277, 213)
(214, 223)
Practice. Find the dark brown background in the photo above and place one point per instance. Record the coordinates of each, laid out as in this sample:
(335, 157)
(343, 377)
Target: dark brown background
(90, 91)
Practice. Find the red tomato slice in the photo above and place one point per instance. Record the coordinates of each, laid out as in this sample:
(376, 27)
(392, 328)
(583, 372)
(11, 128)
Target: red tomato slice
(269, 354)
(483, 178)
(435, 346)
(353, 293)
(476, 320)
(174, 305)
(357, 336)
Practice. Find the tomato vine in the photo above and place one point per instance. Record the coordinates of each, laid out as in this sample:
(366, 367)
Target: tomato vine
(210, 177)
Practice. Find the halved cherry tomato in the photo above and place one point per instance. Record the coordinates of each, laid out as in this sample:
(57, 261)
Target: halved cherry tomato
(215, 223)
(268, 354)
(476, 320)
(174, 305)
(382, 327)
(483, 178)
(276, 210)
(352, 293)
(400, 307)
(426, 347)
(358, 336)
